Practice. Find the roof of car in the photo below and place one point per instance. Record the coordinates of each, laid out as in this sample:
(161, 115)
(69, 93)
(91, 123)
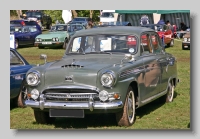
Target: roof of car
(113, 30)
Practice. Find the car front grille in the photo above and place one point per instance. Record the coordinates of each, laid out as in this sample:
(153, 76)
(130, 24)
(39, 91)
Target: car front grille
(70, 95)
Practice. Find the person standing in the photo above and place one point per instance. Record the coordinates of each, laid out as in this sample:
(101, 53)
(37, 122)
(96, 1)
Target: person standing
(183, 27)
(89, 24)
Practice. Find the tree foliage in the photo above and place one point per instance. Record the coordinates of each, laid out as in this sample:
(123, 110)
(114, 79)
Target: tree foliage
(57, 14)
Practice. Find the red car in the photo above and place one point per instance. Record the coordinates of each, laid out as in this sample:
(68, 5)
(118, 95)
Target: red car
(165, 33)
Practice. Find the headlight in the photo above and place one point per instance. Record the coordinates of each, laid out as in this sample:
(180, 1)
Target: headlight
(34, 94)
(57, 39)
(53, 39)
(108, 79)
(33, 78)
(38, 39)
(185, 39)
(189, 39)
(103, 95)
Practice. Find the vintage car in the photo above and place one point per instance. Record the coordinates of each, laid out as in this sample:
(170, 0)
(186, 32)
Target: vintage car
(165, 33)
(186, 40)
(24, 35)
(18, 68)
(58, 36)
(104, 70)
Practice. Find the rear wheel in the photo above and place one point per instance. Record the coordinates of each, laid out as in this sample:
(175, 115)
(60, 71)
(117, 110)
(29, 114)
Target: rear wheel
(127, 116)
(42, 117)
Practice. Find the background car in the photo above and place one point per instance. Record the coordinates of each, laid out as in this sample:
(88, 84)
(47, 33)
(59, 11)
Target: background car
(39, 16)
(24, 35)
(25, 23)
(163, 31)
(18, 68)
(58, 36)
(186, 40)
(82, 20)
(118, 23)
(103, 70)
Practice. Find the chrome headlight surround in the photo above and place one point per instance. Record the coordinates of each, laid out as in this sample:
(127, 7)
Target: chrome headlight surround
(33, 78)
(38, 39)
(55, 39)
(108, 79)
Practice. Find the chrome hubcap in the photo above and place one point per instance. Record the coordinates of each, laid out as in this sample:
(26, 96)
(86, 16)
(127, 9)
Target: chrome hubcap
(131, 107)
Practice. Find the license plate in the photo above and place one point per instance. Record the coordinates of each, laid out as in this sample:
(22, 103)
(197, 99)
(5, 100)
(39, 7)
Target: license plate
(46, 42)
(66, 113)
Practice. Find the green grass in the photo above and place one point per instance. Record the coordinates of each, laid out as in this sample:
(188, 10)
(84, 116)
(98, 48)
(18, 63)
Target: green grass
(175, 115)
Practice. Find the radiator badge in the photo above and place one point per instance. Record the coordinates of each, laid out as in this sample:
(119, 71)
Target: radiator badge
(69, 78)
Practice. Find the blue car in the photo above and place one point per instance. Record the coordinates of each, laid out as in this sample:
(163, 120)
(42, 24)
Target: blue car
(23, 22)
(18, 68)
(24, 35)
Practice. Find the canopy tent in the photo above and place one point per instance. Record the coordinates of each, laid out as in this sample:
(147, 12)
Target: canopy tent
(174, 16)
(151, 11)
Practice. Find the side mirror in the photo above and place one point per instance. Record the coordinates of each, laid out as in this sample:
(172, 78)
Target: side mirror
(44, 56)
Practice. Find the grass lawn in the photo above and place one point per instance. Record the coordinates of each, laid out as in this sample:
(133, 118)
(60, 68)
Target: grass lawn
(175, 115)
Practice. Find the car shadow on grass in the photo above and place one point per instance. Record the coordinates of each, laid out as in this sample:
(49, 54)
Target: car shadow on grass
(90, 121)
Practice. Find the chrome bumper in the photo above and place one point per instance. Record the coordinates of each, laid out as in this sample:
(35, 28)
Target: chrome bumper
(74, 105)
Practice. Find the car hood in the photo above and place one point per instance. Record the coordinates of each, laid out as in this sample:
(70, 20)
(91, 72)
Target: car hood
(84, 69)
(52, 34)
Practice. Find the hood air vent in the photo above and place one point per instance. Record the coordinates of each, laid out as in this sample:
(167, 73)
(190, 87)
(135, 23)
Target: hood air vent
(72, 66)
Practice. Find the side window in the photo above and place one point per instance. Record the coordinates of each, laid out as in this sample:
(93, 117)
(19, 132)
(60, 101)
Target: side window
(145, 44)
(155, 43)
(14, 59)
(33, 29)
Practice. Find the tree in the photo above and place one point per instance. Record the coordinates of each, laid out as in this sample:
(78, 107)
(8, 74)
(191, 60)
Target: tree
(74, 13)
(91, 13)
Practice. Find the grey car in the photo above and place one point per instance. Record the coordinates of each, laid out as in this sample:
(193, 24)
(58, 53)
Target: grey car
(104, 70)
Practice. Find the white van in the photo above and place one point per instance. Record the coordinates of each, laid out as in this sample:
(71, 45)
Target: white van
(108, 17)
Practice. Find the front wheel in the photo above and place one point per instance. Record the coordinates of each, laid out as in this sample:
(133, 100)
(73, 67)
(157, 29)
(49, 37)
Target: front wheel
(65, 44)
(22, 95)
(127, 116)
(16, 43)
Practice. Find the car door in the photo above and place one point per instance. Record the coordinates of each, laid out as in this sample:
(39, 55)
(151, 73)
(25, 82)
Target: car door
(26, 36)
(162, 60)
(167, 34)
(34, 32)
(152, 69)
(18, 70)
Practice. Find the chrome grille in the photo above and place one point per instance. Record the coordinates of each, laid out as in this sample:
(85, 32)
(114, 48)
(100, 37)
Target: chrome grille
(72, 66)
(70, 95)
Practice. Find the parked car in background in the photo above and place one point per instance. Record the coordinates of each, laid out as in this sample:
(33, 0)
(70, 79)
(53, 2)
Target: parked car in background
(25, 23)
(39, 16)
(24, 35)
(118, 23)
(186, 40)
(163, 31)
(81, 20)
(104, 70)
(58, 36)
(18, 68)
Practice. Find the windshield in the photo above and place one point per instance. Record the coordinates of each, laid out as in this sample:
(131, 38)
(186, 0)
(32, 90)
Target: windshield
(33, 14)
(107, 14)
(103, 43)
(59, 28)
